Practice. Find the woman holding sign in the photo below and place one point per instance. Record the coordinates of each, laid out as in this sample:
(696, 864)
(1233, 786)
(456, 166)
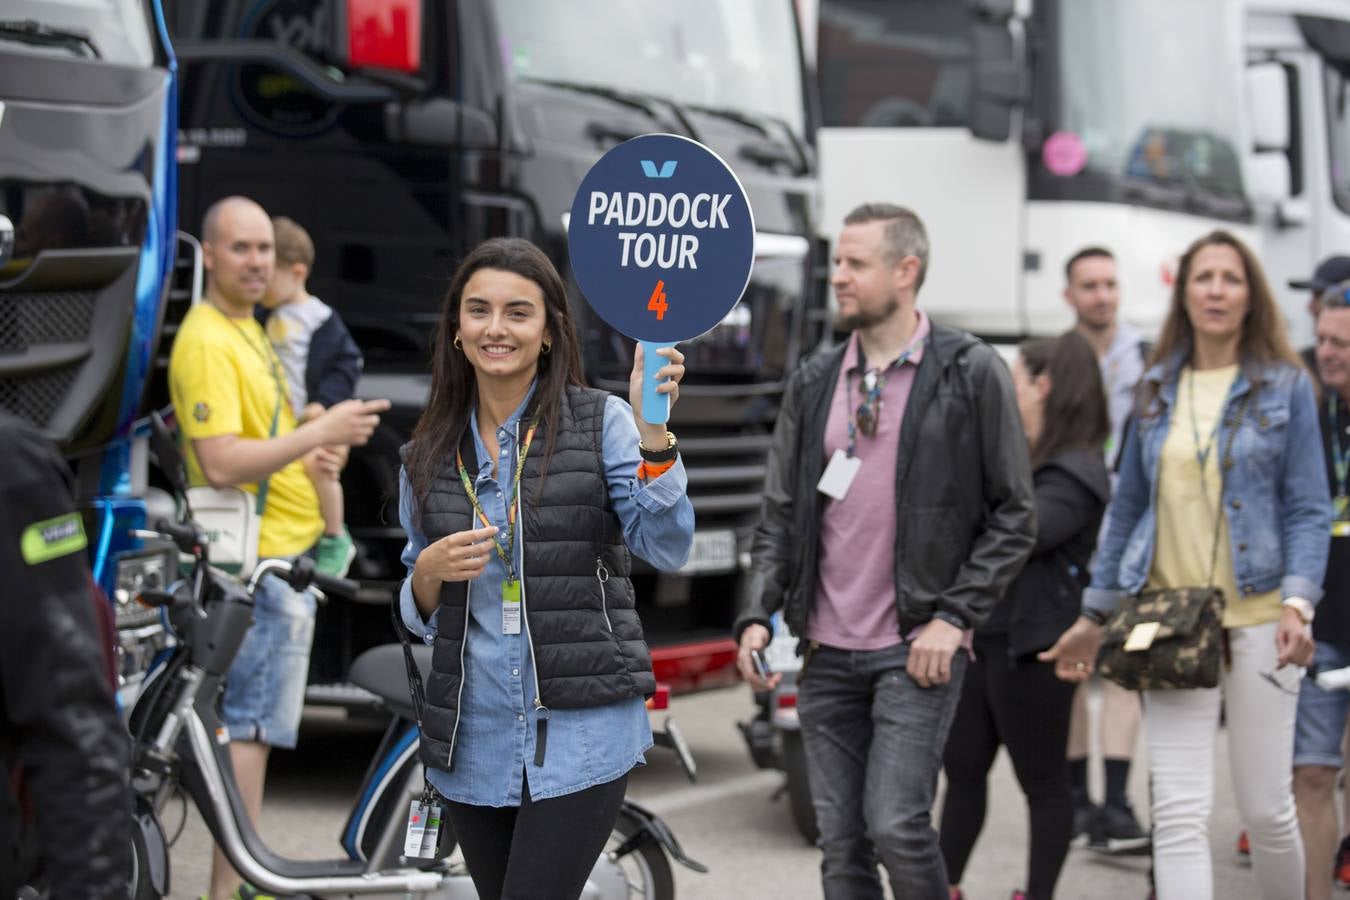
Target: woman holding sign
(523, 493)
(1222, 486)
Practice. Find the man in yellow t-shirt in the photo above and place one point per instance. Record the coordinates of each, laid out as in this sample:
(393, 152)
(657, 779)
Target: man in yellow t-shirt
(229, 391)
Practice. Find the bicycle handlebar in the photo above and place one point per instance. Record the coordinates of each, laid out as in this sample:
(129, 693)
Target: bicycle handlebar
(300, 575)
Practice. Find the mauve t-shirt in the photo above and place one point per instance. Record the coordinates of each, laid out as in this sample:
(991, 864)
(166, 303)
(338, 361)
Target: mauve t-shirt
(855, 587)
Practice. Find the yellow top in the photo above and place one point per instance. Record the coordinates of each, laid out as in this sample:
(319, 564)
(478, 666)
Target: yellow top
(224, 378)
(1188, 500)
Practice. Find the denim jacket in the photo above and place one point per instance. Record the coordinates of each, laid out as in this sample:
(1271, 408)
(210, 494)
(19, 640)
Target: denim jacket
(1275, 495)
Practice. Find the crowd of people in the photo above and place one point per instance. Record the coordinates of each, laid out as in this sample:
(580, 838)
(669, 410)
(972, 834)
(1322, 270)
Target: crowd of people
(1010, 516)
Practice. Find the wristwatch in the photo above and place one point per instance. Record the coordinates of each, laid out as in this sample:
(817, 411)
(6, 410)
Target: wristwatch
(1300, 606)
(664, 454)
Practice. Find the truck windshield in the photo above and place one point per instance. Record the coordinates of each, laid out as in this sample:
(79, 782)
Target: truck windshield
(894, 63)
(718, 54)
(117, 31)
(1121, 67)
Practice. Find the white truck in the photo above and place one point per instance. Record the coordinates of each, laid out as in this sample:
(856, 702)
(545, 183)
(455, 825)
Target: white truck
(1022, 130)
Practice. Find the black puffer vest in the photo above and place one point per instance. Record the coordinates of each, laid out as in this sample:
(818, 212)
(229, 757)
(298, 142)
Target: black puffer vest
(578, 599)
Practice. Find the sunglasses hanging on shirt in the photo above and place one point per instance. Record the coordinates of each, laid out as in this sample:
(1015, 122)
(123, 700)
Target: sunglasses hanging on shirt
(867, 415)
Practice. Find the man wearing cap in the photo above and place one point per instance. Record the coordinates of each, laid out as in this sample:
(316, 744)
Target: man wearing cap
(1329, 272)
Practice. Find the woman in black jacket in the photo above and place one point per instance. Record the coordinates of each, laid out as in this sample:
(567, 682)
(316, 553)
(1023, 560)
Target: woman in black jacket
(1009, 697)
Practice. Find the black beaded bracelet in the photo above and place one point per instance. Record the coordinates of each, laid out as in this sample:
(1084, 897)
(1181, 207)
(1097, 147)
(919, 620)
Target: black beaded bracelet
(1095, 616)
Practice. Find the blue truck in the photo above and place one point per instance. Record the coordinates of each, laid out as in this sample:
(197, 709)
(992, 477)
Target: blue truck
(88, 251)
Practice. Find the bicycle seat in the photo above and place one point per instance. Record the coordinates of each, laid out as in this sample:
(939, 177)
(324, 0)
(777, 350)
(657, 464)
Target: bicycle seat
(382, 671)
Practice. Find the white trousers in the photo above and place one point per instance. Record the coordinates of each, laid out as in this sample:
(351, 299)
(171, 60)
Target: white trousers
(1182, 728)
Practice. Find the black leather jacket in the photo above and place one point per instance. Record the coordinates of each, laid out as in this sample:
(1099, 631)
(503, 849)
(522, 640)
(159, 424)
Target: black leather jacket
(64, 755)
(1072, 491)
(965, 510)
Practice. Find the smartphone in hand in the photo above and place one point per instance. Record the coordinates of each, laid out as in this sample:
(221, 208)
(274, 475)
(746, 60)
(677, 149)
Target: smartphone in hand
(761, 664)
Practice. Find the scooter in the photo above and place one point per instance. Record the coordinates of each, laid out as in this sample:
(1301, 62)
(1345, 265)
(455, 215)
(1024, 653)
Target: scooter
(774, 735)
(179, 742)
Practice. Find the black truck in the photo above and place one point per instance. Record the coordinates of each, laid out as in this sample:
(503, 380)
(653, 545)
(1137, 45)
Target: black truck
(403, 132)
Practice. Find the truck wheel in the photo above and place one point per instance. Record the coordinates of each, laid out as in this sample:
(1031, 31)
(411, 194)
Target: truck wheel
(798, 788)
(645, 870)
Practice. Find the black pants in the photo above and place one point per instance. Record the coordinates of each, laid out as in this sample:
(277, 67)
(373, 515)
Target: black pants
(539, 850)
(1023, 706)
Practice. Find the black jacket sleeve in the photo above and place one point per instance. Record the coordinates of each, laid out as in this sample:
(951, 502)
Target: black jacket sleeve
(775, 545)
(56, 703)
(334, 365)
(1065, 508)
(1009, 527)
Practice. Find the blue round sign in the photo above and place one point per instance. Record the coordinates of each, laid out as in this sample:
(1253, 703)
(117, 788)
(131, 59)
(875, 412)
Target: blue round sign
(661, 238)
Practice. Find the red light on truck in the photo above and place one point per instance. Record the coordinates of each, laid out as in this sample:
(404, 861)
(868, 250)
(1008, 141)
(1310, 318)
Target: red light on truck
(384, 34)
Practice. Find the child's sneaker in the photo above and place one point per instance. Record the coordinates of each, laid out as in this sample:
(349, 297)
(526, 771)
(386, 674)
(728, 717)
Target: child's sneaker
(1343, 864)
(334, 554)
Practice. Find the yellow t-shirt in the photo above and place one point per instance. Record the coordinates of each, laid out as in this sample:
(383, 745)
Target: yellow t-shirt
(222, 381)
(1188, 500)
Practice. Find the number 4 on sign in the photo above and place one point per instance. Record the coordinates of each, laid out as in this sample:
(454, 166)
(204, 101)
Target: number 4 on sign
(657, 303)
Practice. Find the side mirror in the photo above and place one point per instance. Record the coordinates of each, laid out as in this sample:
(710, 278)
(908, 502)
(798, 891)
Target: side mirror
(167, 456)
(1267, 86)
(1268, 178)
(1001, 74)
(378, 34)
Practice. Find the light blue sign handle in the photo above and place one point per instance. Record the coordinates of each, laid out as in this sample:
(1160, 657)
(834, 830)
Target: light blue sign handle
(655, 407)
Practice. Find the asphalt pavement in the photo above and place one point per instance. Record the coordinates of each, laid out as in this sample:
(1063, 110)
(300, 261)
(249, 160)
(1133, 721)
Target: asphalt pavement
(730, 820)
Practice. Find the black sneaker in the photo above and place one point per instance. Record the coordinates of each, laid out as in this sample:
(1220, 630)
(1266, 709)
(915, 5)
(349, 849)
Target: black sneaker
(1084, 822)
(1117, 831)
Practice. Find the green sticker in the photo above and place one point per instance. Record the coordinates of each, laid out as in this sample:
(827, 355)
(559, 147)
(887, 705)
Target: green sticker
(47, 540)
(511, 590)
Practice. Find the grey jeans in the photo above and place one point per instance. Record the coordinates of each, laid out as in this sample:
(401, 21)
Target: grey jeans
(874, 742)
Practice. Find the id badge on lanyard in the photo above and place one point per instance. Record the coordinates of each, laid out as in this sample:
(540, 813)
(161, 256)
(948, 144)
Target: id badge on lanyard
(511, 605)
(838, 475)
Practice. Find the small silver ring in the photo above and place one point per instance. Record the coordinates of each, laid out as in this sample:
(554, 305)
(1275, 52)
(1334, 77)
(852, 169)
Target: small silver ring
(1080, 666)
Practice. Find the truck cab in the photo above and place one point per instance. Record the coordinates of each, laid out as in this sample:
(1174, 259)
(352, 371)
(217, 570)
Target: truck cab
(1023, 130)
(401, 134)
(87, 248)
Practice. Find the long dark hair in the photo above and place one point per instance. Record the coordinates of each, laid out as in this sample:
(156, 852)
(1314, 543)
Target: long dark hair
(454, 384)
(1264, 338)
(1076, 416)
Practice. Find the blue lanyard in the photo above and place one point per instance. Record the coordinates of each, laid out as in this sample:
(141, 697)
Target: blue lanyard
(1340, 456)
(1202, 453)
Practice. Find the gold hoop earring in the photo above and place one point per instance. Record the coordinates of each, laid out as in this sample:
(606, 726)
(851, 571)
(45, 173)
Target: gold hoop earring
(548, 348)
(458, 345)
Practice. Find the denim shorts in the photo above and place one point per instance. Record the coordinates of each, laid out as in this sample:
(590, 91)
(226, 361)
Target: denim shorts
(1322, 714)
(265, 688)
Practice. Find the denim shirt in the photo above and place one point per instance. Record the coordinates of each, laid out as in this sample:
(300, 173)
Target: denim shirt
(1275, 496)
(494, 745)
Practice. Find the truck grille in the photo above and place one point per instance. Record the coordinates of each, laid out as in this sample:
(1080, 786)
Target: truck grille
(47, 318)
(35, 319)
(726, 473)
(36, 397)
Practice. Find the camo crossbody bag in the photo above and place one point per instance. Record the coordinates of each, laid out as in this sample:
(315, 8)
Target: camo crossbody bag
(1172, 638)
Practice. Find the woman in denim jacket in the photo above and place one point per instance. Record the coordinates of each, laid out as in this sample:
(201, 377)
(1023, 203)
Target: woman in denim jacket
(1222, 348)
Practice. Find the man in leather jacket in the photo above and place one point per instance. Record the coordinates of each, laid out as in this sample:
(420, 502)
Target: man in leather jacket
(65, 803)
(898, 506)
